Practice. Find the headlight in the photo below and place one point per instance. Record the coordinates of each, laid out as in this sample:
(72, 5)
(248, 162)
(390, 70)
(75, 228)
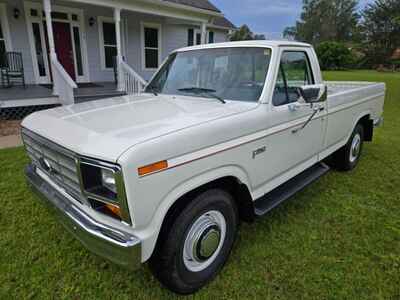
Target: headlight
(108, 180)
(103, 187)
(99, 181)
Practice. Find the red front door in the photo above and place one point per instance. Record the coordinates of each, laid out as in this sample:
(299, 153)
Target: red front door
(63, 44)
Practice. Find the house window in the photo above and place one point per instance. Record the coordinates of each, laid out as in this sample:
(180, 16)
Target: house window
(211, 37)
(34, 13)
(194, 37)
(108, 40)
(151, 46)
(198, 38)
(59, 15)
(190, 37)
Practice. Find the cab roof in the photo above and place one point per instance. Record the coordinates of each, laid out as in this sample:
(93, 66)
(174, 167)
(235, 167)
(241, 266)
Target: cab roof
(261, 43)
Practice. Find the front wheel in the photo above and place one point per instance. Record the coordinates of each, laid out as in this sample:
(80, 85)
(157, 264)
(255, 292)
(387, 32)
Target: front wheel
(347, 158)
(195, 248)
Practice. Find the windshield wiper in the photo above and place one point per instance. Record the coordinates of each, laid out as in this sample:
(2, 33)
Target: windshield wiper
(152, 90)
(199, 91)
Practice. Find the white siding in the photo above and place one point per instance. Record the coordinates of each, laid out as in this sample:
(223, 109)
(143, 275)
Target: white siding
(220, 36)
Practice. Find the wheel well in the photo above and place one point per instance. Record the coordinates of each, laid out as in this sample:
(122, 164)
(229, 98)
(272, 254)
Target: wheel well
(368, 126)
(232, 185)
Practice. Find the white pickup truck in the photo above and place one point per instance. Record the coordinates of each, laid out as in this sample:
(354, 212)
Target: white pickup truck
(222, 133)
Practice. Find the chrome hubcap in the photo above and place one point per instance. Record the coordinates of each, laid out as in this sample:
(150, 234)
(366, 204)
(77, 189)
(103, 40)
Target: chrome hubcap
(204, 241)
(355, 148)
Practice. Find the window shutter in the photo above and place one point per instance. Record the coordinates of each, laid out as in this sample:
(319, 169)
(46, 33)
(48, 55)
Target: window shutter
(211, 37)
(190, 37)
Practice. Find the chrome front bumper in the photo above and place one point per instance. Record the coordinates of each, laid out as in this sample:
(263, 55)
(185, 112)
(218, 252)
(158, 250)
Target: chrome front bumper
(120, 247)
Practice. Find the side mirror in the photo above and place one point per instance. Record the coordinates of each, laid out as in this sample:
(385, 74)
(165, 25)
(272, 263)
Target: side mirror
(313, 93)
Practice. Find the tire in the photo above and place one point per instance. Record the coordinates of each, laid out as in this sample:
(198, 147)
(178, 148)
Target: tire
(347, 158)
(184, 265)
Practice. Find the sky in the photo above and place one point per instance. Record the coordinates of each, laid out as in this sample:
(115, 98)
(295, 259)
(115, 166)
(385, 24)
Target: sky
(269, 17)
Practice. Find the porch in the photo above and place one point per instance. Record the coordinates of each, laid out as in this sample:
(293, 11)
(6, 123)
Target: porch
(35, 94)
(66, 44)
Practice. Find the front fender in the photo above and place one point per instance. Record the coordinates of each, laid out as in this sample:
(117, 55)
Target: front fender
(152, 231)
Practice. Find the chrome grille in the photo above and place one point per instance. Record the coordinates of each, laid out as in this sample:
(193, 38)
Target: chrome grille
(62, 162)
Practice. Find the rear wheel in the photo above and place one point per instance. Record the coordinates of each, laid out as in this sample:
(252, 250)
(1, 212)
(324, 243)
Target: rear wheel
(195, 248)
(347, 158)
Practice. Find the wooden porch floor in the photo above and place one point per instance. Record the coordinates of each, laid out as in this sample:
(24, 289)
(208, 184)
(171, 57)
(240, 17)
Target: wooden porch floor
(43, 95)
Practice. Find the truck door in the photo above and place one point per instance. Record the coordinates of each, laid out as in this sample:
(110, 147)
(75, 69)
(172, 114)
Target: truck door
(292, 147)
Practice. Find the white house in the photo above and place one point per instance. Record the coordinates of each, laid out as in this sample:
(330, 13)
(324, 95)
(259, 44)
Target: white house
(71, 45)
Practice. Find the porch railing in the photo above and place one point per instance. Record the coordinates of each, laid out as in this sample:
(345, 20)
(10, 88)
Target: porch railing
(133, 83)
(63, 84)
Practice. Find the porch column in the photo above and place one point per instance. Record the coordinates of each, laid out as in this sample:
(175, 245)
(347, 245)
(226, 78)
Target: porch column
(204, 33)
(117, 20)
(52, 48)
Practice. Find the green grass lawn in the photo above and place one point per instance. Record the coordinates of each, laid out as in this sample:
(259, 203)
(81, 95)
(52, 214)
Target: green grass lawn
(338, 239)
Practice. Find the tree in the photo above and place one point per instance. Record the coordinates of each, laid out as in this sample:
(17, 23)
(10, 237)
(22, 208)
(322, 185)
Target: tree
(245, 34)
(381, 30)
(326, 20)
(334, 56)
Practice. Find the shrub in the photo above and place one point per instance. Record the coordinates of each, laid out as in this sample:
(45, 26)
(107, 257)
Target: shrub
(335, 56)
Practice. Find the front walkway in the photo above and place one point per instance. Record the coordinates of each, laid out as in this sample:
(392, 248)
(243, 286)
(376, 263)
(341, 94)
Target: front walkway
(10, 141)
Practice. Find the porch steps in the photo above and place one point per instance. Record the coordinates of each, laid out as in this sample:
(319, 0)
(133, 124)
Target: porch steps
(96, 91)
(93, 97)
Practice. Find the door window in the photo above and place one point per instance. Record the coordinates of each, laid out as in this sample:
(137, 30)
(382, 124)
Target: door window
(294, 72)
(78, 52)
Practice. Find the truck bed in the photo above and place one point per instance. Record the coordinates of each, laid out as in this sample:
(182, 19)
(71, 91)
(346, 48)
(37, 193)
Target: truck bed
(342, 95)
(339, 87)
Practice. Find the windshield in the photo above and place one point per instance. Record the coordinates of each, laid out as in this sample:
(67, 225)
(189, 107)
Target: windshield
(227, 73)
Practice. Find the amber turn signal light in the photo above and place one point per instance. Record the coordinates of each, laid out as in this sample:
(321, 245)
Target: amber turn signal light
(114, 209)
(158, 166)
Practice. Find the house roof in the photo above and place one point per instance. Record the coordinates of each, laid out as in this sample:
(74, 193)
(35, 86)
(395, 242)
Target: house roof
(223, 22)
(207, 5)
(202, 4)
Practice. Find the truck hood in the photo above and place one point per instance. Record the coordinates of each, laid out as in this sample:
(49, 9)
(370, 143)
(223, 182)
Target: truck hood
(105, 129)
